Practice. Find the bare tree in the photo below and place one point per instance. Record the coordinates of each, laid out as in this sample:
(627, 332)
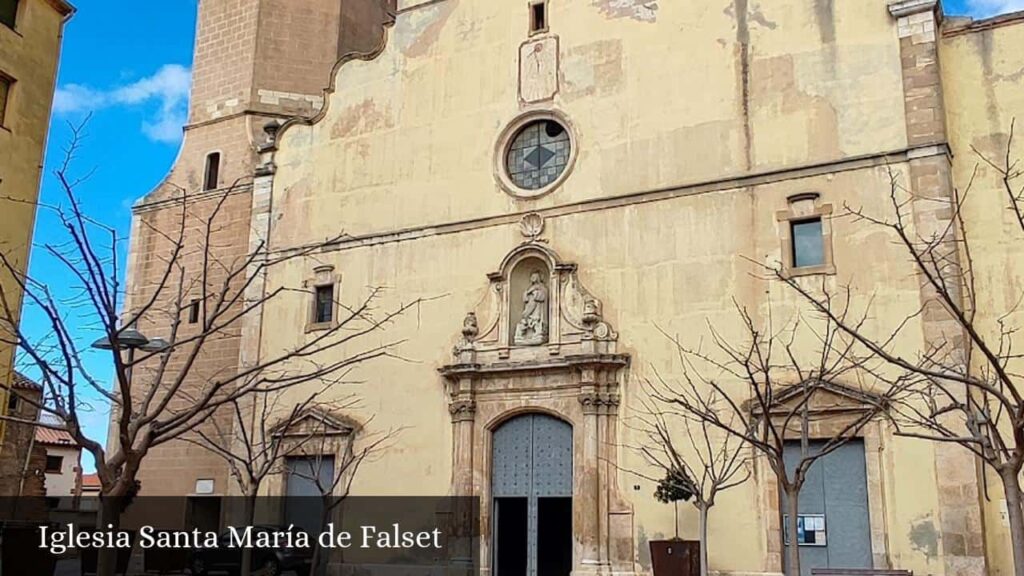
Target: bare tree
(964, 387)
(331, 464)
(160, 391)
(769, 391)
(254, 442)
(697, 460)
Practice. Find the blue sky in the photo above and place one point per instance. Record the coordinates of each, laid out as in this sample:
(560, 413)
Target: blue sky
(129, 68)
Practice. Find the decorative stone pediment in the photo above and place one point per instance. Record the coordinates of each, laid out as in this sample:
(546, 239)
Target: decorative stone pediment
(315, 422)
(536, 310)
(825, 398)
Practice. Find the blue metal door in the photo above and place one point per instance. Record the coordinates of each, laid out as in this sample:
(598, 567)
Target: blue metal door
(531, 459)
(836, 529)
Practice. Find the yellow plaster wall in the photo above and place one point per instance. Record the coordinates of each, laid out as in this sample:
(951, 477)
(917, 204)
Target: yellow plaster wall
(674, 264)
(409, 138)
(703, 93)
(29, 54)
(983, 71)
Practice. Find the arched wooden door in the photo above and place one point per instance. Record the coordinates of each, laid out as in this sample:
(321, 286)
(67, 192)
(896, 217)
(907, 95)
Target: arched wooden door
(531, 482)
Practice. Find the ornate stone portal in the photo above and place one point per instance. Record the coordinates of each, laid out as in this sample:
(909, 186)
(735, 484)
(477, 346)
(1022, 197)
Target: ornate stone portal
(502, 369)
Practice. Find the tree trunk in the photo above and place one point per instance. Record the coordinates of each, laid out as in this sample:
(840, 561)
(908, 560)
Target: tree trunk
(703, 528)
(248, 516)
(1011, 488)
(318, 564)
(676, 506)
(109, 519)
(792, 515)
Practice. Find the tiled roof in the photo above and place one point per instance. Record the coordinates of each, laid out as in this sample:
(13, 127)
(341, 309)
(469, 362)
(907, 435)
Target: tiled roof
(51, 437)
(22, 382)
(91, 481)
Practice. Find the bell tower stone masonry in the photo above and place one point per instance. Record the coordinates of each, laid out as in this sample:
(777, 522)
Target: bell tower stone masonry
(257, 63)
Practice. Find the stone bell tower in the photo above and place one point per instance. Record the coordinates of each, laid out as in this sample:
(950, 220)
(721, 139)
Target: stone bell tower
(255, 62)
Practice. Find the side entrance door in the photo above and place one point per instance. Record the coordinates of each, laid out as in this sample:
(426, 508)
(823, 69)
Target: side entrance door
(835, 526)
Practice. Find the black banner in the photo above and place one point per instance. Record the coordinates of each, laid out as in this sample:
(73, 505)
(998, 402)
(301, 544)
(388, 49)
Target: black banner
(369, 536)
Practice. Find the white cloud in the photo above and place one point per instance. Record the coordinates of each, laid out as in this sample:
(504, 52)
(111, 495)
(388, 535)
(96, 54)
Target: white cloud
(168, 87)
(986, 8)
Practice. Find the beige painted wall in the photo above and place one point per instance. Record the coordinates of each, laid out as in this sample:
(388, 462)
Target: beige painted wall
(29, 54)
(984, 70)
(710, 116)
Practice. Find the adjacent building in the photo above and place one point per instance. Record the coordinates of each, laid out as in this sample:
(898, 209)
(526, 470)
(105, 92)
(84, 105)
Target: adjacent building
(63, 468)
(23, 462)
(30, 42)
(573, 179)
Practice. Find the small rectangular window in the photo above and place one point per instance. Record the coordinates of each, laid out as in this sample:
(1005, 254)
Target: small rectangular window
(212, 177)
(54, 463)
(8, 12)
(808, 243)
(193, 312)
(12, 402)
(324, 312)
(538, 17)
(5, 95)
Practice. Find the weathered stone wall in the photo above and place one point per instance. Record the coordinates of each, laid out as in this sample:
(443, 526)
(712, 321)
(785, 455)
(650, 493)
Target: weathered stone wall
(20, 472)
(256, 61)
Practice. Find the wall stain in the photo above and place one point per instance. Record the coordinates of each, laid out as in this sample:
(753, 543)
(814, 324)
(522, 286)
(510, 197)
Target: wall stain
(639, 10)
(592, 69)
(924, 538)
(985, 50)
(743, 55)
(360, 119)
(757, 16)
(419, 30)
(778, 90)
(825, 13)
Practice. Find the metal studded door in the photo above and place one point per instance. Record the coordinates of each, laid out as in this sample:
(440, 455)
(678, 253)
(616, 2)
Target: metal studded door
(531, 469)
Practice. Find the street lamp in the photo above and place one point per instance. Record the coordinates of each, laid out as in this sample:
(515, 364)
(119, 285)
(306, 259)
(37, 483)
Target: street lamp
(131, 340)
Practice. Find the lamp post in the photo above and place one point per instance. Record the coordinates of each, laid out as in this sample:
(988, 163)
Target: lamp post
(131, 340)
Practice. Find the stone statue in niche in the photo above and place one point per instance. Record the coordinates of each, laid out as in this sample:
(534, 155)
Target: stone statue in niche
(532, 328)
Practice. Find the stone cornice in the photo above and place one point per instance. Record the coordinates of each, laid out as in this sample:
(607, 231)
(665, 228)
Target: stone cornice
(144, 206)
(968, 26)
(904, 8)
(576, 361)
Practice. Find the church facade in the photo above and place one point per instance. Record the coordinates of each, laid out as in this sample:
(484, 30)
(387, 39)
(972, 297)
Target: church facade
(564, 183)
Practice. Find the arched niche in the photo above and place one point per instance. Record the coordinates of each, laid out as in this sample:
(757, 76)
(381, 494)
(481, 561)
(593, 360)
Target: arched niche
(573, 315)
(529, 305)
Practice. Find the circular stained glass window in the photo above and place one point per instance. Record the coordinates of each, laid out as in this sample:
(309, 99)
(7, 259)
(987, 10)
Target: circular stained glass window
(538, 154)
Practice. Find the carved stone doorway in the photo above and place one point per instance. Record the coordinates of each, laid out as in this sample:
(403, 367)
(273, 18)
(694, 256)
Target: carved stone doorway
(568, 369)
(531, 485)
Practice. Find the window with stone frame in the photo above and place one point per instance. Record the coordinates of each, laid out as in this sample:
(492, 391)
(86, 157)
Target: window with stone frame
(324, 312)
(323, 308)
(805, 231)
(8, 12)
(6, 84)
